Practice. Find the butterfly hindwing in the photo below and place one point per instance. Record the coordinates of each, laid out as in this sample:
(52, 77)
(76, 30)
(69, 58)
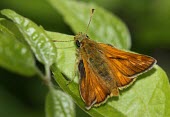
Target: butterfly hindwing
(93, 89)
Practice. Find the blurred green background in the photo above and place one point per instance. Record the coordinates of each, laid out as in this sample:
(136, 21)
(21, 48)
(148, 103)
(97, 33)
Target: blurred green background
(148, 22)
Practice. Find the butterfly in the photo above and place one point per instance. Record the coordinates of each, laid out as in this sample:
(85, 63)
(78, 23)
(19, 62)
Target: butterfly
(104, 69)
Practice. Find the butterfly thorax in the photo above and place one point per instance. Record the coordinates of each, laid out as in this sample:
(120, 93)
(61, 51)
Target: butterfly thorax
(79, 38)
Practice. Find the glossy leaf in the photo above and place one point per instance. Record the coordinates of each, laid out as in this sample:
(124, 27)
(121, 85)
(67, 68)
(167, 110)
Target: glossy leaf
(145, 97)
(59, 104)
(36, 37)
(11, 26)
(14, 55)
(105, 27)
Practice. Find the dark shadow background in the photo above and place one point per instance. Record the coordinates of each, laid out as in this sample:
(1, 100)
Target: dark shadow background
(147, 20)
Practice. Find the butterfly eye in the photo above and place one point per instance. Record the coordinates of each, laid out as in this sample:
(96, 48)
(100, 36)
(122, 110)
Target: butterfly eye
(87, 36)
(77, 43)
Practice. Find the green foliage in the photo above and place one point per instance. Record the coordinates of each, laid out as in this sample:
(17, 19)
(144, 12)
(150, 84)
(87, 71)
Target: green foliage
(105, 27)
(36, 37)
(15, 56)
(148, 96)
(59, 103)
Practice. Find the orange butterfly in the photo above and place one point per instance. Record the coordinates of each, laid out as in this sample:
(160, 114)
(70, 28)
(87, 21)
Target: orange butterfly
(105, 69)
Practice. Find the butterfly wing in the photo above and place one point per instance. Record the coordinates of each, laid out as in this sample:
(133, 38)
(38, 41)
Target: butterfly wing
(93, 89)
(103, 69)
(126, 65)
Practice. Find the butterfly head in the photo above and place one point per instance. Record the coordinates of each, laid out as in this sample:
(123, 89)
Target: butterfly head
(79, 38)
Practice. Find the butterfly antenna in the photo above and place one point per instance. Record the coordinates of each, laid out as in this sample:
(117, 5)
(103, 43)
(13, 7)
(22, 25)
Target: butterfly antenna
(92, 12)
(62, 41)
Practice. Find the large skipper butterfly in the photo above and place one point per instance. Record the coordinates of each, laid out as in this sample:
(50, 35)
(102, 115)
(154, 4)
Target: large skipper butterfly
(104, 69)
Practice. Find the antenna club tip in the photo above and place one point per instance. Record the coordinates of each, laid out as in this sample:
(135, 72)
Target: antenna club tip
(92, 10)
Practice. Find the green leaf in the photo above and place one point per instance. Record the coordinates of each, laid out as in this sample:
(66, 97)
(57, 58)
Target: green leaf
(148, 96)
(105, 27)
(14, 55)
(11, 26)
(66, 53)
(40, 43)
(58, 104)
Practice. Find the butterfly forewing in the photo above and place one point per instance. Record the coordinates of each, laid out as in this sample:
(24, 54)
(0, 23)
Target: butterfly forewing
(129, 64)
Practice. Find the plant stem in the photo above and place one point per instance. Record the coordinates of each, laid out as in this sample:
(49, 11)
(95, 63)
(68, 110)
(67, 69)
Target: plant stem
(47, 77)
